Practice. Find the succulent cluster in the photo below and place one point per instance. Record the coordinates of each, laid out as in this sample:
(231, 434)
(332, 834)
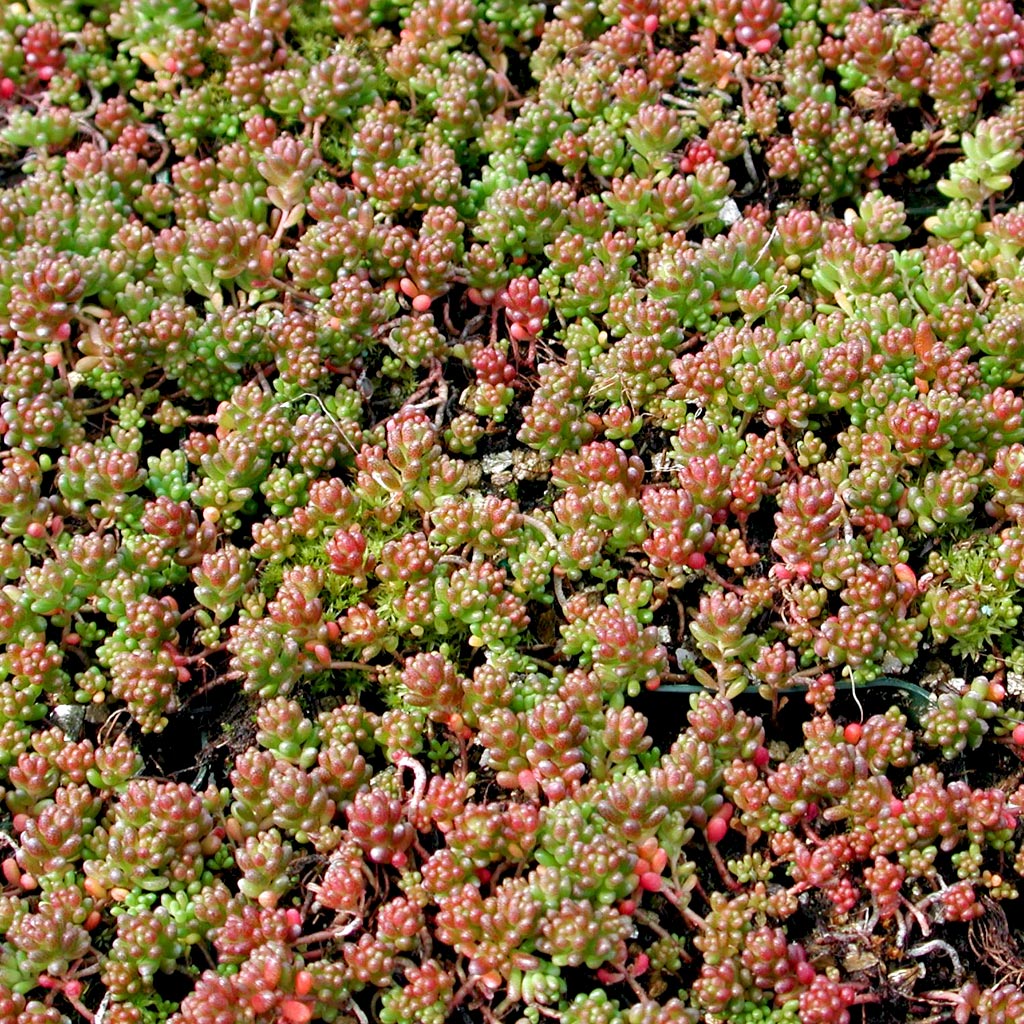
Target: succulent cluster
(395, 395)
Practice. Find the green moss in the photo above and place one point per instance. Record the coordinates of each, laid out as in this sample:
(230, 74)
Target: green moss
(967, 568)
(311, 31)
(339, 593)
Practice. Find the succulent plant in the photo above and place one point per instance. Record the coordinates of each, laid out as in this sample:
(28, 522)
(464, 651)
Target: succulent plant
(395, 395)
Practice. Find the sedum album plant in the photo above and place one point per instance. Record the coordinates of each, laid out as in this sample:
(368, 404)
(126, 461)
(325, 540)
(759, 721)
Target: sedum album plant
(511, 511)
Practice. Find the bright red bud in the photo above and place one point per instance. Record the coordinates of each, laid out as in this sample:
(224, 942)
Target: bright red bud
(717, 828)
(650, 882)
(294, 1012)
